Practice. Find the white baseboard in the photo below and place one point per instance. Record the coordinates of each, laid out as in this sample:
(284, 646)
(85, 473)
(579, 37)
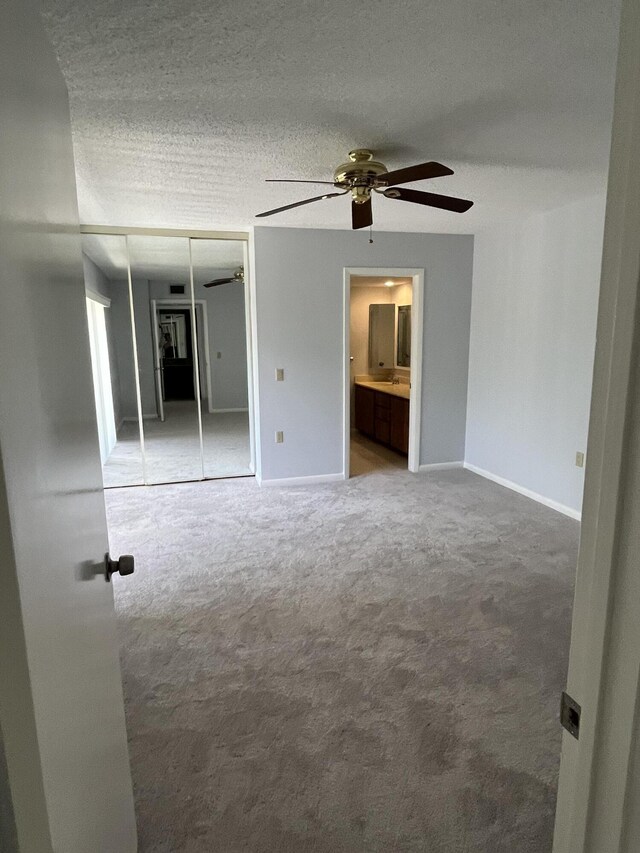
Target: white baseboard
(528, 493)
(222, 411)
(440, 466)
(134, 420)
(313, 480)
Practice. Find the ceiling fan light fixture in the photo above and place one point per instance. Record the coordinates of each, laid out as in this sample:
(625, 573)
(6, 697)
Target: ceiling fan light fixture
(362, 176)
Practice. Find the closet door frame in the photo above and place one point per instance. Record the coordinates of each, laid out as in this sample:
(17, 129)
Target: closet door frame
(244, 237)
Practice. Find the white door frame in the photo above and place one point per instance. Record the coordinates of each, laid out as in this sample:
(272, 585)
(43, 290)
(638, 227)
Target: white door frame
(597, 807)
(186, 303)
(247, 239)
(417, 326)
(157, 364)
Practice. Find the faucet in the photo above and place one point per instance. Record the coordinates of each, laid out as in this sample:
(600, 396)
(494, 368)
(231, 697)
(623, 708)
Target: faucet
(395, 380)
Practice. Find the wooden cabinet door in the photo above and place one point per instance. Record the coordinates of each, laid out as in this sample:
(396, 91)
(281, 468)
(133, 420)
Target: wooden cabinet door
(399, 438)
(365, 403)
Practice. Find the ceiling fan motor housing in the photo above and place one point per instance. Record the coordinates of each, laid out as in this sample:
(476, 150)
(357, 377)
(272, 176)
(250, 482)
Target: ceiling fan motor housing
(359, 174)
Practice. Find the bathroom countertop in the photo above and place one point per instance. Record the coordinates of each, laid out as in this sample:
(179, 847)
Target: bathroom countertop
(402, 390)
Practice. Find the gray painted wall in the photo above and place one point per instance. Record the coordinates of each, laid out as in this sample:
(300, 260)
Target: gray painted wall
(123, 347)
(533, 324)
(96, 280)
(145, 344)
(299, 309)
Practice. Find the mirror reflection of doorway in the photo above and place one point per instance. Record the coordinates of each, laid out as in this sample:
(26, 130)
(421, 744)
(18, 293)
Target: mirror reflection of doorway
(176, 355)
(179, 370)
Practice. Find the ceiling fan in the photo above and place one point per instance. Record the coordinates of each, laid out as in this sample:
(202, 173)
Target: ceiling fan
(363, 175)
(237, 276)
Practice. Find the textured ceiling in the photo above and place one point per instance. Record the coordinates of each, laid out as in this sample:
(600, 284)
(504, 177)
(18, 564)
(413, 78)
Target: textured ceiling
(162, 258)
(181, 108)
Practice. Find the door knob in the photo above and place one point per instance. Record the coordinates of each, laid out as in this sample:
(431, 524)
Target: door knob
(124, 565)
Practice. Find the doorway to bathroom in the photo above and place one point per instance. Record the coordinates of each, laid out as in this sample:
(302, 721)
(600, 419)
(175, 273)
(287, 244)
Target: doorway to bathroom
(383, 320)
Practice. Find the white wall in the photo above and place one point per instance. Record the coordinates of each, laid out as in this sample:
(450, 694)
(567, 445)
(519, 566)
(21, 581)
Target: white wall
(533, 321)
(299, 311)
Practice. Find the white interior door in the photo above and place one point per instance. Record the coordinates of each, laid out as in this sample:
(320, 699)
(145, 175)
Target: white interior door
(67, 785)
(599, 789)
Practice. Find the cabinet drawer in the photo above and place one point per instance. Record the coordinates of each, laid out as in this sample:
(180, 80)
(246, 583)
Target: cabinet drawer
(365, 404)
(383, 431)
(383, 401)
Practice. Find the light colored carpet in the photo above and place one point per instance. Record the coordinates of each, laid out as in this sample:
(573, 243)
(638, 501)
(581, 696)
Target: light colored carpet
(172, 447)
(354, 667)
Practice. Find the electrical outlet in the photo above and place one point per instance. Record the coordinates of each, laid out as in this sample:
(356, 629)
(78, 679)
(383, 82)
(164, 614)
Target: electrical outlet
(279, 374)
(580, 459)
(279, 437)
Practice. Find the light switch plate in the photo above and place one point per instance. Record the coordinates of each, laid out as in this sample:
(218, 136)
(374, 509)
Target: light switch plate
(279, 374)
(279, 437)
(580, 459)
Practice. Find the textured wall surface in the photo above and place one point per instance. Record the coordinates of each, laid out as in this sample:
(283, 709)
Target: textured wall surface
(299, 282)
(181, 108)
(533, 323)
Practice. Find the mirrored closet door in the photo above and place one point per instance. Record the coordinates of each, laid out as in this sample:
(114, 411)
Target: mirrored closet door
(106, 274)
(169, 357)
(166, 346)
(219, 285)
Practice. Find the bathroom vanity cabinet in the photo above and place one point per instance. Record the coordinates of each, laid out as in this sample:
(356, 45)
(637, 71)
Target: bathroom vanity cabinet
(382, 416)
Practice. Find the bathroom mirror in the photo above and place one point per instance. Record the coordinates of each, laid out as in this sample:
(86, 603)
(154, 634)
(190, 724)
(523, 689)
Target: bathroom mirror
(381, 335)
(403, 354)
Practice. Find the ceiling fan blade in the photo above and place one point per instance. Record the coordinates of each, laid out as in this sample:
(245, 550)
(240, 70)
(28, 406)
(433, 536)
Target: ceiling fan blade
(300, 203)
(218, 281)
(361, 215)
(296, 181)
(444, 202)
(422, 172)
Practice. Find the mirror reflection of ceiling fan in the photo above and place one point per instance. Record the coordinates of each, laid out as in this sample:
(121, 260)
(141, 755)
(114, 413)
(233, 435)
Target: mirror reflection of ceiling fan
(237, 276)
(363, 175)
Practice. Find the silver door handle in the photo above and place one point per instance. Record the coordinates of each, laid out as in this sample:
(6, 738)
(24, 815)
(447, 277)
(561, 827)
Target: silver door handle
(124, 565)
